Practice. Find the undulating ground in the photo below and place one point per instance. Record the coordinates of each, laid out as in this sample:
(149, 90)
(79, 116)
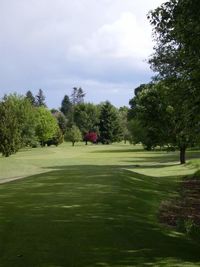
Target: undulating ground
(91, 206)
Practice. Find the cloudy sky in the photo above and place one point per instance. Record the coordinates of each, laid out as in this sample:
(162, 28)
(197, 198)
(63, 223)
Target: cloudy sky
(55, 45)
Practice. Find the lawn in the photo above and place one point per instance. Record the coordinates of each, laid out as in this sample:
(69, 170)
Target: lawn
(91, 206)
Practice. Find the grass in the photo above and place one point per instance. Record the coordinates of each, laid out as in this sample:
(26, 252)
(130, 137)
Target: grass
(91, 206)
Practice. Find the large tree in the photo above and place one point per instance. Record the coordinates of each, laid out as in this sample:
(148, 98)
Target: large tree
(40, 99)
(176, 27)
(86, 117)
(176, 59)
(62, 121)
(109, 124)
(157, 120)
(77, 96)
(46, 125)
(73, 134)
(10, 139)
(66, 106)
(17, 124)
(30, 97)
(149, 120)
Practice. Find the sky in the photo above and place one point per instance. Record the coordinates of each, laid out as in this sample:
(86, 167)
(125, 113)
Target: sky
(99, 45)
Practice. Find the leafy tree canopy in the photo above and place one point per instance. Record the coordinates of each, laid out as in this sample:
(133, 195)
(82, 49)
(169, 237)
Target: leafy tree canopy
(74, 135)
(46, 125)
(86, 117)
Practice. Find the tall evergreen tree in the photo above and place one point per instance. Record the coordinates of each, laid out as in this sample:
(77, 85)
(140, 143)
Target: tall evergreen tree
(30, 97)
(109, 124)
(40, 99)
(77, 96)
(61, 120)
(80, 96)
(66, 106)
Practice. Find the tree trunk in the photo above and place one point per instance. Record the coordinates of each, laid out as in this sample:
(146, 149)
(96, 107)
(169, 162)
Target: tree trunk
(73, 143)
(182, 155)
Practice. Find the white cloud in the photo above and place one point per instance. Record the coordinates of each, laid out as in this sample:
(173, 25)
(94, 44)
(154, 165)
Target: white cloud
(122, 38)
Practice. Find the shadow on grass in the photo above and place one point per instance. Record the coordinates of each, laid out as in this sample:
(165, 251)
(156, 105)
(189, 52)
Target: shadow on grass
(89, 215)
(149, 166)
(158, 161)
(156, 153)
(127, 150)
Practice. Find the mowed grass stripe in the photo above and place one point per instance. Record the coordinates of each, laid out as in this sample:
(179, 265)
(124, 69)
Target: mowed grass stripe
(91, 215)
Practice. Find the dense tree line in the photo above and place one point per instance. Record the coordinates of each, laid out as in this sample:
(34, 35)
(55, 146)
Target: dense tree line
(90, 122)
(26, 121)
(24, 124)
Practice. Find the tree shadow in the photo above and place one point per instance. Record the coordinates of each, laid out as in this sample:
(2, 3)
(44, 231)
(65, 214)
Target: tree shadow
(89, 215)
(127, 150)
(171, 156)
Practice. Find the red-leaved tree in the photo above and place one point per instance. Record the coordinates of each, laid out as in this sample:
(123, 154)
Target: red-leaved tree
(91, 137)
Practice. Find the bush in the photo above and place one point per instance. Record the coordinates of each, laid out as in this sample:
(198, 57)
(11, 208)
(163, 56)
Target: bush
(56, 140)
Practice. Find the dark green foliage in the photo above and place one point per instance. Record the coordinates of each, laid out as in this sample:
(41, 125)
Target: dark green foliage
(137, 132)
(54, 111)
(40, 99)
(17, 124)
(30, 97)
(139, 89)
(56, 140)
(158, 119)
(86, 117)
(62, 121)
(10, 138)
(150, 122)
(109, 124)
(66, 106)
(123, 118)
(25, 112)
(176, 26)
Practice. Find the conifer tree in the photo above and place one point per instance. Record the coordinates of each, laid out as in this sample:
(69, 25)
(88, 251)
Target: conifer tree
(66, 106)
(40, 99)
(109, 125)
(30, 97)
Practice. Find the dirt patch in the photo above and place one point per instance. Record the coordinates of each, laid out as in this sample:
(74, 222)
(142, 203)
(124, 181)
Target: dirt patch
(185, 208)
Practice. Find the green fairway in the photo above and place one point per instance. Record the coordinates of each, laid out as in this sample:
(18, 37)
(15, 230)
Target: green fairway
(91, 206)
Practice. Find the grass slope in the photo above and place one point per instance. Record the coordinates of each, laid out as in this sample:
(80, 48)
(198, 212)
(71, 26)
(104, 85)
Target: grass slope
(91, 206)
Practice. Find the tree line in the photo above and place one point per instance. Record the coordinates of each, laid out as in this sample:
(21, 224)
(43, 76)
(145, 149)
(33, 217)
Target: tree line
(26, 121)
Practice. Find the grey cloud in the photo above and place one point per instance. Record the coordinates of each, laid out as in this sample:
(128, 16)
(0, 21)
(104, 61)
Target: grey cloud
(55, 45)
